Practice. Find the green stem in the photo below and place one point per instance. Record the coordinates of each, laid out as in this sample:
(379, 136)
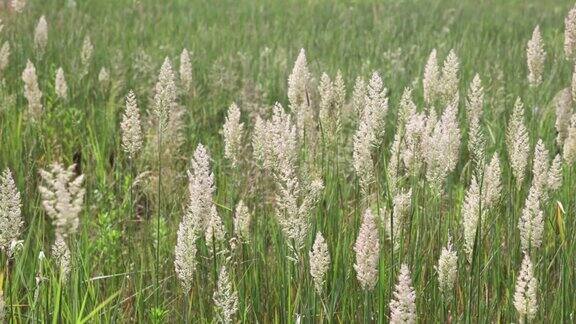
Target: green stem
(157, 270)
(366, 307)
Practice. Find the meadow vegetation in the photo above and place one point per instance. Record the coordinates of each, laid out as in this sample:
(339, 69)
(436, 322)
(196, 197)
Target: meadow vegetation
(287, 161)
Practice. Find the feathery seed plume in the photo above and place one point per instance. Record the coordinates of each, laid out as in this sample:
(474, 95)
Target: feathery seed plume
(18, 5)
(394, 167)
(431, 79)
(185, 253)
(103, 77)
(476, 142)
(62, 197)
(413, 148)
(413, 143)
(164, 95)
(569, 149)
(194, 221)
(4, 55)
(339, 92)
(518, 143)
(332, 97)
(298, 94)
(475, 102)
(535, 56)
(200, 189)
(298, 82)
(526, 289)
(447, 269)
(336, 113)
(362, 155)
(186, 78)
(233, 132)
(442, 147)
(359, 96)
(407, 107)
(531, 222)
(471, 217)
(225, 298)
(86, 53)
(570, 33)
(376, 106)
(403, 305)
(401, 146)
(274, 141)
(41, 36)
(130, 126)
(10, 212)
(214, 232)
(319, 262)
(396, 219)
(325, 90)
(563, 104)
(370, 131)
(573, 84)
(32, 92)
(555, 173)
(449, 81)
(540, 168)
(242, 220)
(492, 183)
(61, 254)
(367, 249)
(294, 201)
(261, 147)
(61, 85)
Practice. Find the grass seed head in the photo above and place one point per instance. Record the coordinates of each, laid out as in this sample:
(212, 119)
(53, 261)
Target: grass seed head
(431, 78)
(403, 303)
(186, 77)
(225, 298)
(447, 269)
(233, 131)
(526, 288)
(319, 262)
(32, 91)
(60, 84)
(62, 197)
(570, 34)
(41, 36)
(367, 249)
(535, 56)
(131, 127)
(10, 212)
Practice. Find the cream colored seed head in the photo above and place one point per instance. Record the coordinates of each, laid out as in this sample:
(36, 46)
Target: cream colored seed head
(403, 304)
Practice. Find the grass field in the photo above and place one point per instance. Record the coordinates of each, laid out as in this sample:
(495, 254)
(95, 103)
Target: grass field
(320, 164)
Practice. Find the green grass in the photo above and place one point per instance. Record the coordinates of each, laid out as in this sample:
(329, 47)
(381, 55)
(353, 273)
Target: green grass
(239, 46)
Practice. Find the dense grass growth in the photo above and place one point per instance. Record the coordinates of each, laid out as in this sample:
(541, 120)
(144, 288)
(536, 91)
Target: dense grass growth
(122, 256)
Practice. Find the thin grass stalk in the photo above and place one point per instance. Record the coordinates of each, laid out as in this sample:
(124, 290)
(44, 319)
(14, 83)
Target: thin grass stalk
(131, 213)
(366, 307)
(60, 282)
(9, 286)
(289, 290)
(186, 306)
(157, 270)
